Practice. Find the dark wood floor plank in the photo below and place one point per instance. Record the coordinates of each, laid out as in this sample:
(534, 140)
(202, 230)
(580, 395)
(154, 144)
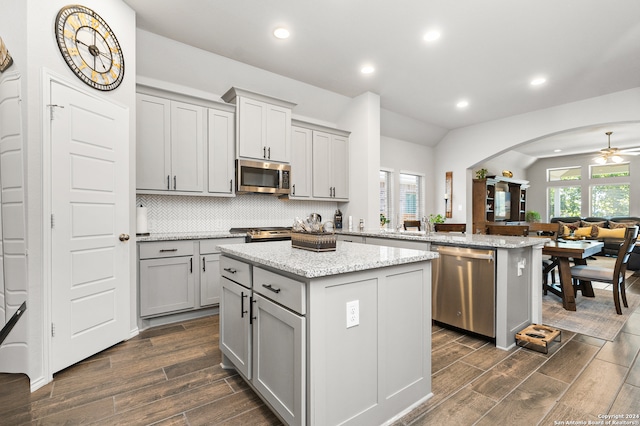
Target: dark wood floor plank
(167, 407)
(162, 331)
(448, 355)
(507, 375)
(259, 416)
(81, 415)
(627, 402)
(567, 363)
(596, 387)
(622, 351)
(186, 367)
(563, 413)
(179, 420)
(225, 409)
(143, 395)
(487, 356)
(527, 404)
(452, 412)
(444, 384)
(85, 367)
(94, 391)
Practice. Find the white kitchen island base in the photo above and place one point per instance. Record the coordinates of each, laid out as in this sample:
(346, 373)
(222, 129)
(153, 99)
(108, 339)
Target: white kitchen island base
(366, 342)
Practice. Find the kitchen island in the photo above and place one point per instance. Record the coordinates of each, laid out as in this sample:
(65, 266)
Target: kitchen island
(339, 337)
(518, 272)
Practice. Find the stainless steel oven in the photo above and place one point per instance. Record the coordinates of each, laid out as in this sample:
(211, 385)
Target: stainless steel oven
(263, 177)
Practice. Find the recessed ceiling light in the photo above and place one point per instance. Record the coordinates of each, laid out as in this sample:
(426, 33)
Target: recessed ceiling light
(368, 69)
(538, 81)
(557, 150)
(432, 35)
(462, 104)
(281, 33)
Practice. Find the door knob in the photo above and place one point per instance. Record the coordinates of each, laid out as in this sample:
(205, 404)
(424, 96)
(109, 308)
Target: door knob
(124, 237)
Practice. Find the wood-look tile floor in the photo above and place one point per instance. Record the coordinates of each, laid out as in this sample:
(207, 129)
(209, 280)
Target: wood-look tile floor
(170, 375)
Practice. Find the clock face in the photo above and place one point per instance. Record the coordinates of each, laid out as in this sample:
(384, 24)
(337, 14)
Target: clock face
(89, 47)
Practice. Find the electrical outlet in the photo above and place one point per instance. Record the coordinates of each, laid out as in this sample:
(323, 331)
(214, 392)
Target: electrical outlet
(353, 313)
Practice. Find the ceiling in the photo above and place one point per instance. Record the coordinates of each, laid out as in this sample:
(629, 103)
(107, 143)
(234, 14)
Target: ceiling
(488, 52)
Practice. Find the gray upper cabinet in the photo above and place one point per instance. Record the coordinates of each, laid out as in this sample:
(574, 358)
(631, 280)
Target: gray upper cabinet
(169, 144)
(330, 166)
(301, 162)
(319, 162)
(263, 126)
(220, 152)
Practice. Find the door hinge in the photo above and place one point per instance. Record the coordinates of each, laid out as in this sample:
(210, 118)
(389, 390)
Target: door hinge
(53, 330)
(51, 107)
(53, 221)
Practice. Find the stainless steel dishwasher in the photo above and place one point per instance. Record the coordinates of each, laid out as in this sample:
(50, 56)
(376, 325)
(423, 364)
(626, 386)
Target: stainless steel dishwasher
(463, 288)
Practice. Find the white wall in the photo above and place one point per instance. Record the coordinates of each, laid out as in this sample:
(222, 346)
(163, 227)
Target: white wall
(398, 156)
(462, 150)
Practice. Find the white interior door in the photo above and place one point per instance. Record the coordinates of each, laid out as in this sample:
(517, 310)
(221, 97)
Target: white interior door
(90, 211)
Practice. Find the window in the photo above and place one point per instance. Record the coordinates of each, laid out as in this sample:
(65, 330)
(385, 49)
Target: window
(610, 200)
(609, 170)
(564, 201)
(385, 195)
(410, 197)
(565, 173)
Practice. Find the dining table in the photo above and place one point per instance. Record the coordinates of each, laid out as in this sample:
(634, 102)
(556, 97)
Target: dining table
(564, 250)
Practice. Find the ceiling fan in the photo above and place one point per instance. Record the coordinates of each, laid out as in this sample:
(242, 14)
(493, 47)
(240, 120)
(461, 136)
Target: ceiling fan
(613, 154)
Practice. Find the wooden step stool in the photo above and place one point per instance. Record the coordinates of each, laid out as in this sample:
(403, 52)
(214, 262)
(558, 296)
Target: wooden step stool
(538, 335)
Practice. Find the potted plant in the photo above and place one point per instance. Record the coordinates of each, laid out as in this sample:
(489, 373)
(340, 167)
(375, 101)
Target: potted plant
(532, 216)
(383, 220)
(482, 173)
(436, 218)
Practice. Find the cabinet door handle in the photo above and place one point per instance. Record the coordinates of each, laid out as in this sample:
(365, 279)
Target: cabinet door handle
(204, 265)
(191, 265)
(333, 190)
(242, 311)
(272, 288)
(231, 185)
(230, 270)
(294, 189)
(264, 152)
(167, 250)
(174, 182)
(329, 191)
(168, 182)
(251, 317)
(269, 153)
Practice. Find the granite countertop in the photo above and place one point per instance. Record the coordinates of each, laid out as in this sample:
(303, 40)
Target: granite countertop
(348, 257)
(453, 238)
(201, 235)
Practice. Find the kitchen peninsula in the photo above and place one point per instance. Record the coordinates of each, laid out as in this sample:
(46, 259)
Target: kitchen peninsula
(518, 296)
(341, 337)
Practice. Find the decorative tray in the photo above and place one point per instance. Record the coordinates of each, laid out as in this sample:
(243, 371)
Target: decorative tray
(314, 241)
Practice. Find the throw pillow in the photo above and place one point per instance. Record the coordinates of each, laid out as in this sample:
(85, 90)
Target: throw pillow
(602, 224)
(595, 229)
(615, 225)
(567, 227)
(611, 233)
(583, 232)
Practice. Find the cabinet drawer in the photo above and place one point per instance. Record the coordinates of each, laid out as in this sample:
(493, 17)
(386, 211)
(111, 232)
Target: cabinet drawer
(289, 293)
(158, 249)
(236, 271)
(211, 246)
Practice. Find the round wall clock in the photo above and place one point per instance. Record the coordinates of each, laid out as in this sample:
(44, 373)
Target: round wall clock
(89, 47)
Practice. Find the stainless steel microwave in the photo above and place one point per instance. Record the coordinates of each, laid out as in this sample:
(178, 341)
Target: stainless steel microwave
(263, 177)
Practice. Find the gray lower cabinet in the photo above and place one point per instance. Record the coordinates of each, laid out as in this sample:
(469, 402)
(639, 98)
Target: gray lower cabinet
(291, 339)
(177, 276)
(166, 285)
(263, 334)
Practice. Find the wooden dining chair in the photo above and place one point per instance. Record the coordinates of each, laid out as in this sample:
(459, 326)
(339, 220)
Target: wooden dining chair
(411, 224)
(515, 230)
(450, 227)
(584, 274)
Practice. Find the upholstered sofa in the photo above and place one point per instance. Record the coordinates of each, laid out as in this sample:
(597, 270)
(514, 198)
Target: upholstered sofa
(602, 229)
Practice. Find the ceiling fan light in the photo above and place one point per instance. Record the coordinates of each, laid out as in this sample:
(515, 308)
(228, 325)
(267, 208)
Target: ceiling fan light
(617, 159)
(600, 160)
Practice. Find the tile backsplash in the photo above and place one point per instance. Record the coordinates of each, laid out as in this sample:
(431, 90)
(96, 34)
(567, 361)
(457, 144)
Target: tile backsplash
(177, 213)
